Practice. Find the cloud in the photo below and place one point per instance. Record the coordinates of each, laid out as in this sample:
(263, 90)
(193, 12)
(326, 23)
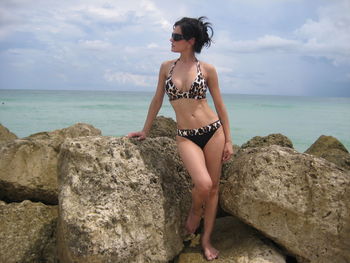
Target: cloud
(152, 45)
(122, 43)
(126, 78)
(329, 36)
(265, 43)
(95, 44)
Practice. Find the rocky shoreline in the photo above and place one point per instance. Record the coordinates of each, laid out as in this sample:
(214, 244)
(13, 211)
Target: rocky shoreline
(73, 195)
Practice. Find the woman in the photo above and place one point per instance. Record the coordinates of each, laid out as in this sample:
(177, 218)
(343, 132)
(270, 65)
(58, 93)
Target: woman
(203, 136)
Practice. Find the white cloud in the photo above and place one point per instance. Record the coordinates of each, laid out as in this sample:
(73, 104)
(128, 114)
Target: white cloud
(152, 45)
(126, 78)
(265, 43)
(124, 42)
(95, 44)
(329, 36)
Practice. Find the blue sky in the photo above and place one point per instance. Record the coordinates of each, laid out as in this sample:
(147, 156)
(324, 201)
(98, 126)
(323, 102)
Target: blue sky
(281, 47)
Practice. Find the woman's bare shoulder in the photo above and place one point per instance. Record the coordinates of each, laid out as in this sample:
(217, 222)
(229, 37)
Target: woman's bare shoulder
(208, 69)
(168, 63)
(165, 66)
(206, 66)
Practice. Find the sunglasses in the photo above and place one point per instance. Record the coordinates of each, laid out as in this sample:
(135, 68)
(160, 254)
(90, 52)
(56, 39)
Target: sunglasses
(177, 37)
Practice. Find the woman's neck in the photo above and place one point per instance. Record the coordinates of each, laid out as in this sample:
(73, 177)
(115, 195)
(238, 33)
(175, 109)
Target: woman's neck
(187, 57)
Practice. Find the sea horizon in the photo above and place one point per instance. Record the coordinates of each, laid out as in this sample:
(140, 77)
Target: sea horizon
(301, 118)
(152, 92)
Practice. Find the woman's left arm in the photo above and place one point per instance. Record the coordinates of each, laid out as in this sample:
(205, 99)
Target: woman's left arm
(213, 84)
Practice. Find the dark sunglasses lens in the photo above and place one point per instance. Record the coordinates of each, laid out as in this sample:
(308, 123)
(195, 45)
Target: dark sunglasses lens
(177, 37)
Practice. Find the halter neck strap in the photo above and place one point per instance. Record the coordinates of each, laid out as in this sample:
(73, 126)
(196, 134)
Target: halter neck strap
(173, 66)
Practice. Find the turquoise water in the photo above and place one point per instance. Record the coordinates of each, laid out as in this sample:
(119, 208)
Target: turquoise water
(301, 119)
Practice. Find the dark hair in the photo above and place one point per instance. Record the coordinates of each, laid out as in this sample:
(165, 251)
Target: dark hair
(198, 29)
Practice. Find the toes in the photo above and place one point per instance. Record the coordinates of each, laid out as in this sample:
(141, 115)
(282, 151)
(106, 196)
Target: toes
(209, 255)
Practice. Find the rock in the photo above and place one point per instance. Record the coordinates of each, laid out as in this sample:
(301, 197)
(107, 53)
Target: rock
(299, 201)
(28, 166)
(28, 170)
(237, 243)
(57, 137)
(272, 139)
(6, 135)
(27, 232)
(331, 149)
(163, 127)
(121, 200)
(224, 176)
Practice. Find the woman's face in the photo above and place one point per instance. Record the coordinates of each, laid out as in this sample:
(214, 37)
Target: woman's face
(180, 45)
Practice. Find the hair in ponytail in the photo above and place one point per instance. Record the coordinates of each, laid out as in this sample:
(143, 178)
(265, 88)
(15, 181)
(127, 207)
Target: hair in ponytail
(196, 28)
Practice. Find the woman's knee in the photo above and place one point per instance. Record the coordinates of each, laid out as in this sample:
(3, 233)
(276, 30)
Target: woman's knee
(204, 186)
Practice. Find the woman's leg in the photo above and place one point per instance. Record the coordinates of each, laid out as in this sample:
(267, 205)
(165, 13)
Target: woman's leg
(213, 158)
(194, 161)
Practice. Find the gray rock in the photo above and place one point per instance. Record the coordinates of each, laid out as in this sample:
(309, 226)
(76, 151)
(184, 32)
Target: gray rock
(57, 137)
(163, 127)
(121, 200)
(28, 166)
(27, 232)
(237, 243)
(6, 135)
(300, 201)
(28, 170)
(272, 139)
(331, 149)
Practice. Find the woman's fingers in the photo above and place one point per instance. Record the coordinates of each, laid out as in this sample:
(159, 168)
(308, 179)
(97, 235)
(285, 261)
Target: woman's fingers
(227, 154)
(139, 135)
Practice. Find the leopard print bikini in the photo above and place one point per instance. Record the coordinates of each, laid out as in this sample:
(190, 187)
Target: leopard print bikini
(198, 89)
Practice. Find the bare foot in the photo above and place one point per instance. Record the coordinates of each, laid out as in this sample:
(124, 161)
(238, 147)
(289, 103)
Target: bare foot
(193, 220)
(210, 252)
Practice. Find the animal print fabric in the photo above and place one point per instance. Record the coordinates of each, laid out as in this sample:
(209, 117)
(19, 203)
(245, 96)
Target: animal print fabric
(199, 131)
(197, 90)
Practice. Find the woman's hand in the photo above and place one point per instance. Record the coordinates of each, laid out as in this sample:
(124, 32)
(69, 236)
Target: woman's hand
(228, 151)
(141, 135)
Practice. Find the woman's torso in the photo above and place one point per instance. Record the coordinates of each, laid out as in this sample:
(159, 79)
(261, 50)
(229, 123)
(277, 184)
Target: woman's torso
(186, 87)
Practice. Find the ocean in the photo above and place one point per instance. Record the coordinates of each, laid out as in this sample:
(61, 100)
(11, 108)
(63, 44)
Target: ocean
(115, 113)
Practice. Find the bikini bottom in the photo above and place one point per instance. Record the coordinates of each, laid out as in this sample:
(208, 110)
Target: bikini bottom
(200, 136)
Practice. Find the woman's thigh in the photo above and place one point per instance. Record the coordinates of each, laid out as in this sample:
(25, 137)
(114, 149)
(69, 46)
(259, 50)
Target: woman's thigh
(194, 161)
(213, 155)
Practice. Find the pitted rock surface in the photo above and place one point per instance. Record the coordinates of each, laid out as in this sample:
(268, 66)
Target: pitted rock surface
(121, 200)
(300, 201)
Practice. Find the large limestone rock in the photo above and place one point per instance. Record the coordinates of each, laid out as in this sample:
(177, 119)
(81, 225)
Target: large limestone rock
(28, 170)
(57, 137)
(300, 201)
(331, 149)
(6, 135)
(163, 127)
(27, 232)
(28, 166)
(272, 139)
(237, 243)
(121, 200)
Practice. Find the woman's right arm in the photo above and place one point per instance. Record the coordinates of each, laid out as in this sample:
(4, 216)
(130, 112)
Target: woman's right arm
(155, 105)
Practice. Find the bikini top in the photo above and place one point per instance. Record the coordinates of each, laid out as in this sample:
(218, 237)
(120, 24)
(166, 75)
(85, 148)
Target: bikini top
(197, 90)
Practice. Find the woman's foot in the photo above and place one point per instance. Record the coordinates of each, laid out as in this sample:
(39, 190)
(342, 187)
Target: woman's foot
(193, 220)
(210, 253)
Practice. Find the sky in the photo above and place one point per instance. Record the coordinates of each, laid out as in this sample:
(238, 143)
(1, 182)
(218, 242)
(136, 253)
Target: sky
(274, 47)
